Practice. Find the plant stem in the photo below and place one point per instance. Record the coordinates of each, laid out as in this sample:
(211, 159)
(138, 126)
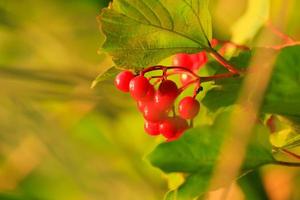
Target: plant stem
(288, 164)
(290, 153)
(217, 76)
(223, 61)
(164, 68)
(280, 34)
(190, 83)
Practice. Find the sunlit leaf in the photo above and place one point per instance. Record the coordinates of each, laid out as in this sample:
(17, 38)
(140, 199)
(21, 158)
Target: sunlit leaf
(140, 33)
(106, 75)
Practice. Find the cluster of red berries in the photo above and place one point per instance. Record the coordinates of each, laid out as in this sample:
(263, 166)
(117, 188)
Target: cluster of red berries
(192, 62)
(157, 103)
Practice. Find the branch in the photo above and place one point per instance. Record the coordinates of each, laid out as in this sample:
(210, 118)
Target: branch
(288, 164)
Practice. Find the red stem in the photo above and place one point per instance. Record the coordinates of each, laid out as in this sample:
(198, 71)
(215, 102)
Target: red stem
(164, 69)
(190, 83)
(217, 76)
(280, 34)
(223, 62)
(291, 153)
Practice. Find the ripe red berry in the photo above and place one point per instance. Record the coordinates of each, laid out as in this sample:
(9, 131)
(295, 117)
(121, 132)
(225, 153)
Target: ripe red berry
(183, 60)
(139, 87)
(152, 128)
(202, 56)
(199, 60)
(214, 42)
(185, 78)
(166, 94)
(168, 87)
(168, 128)
(188, 108)
(141, 105)
(153, 113)
(122, 80)
(149, 95)
(181, 125)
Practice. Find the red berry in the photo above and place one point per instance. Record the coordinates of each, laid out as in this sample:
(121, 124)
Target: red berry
(168, 128)
(185, 78)
(183, 60)
(199, 60)
(168, 87)
(122, 80)
(166, 94)
(175, 137)
(214, 42)
(188, 108)
(153, 113)
(152, 128)
(181, 125)
(139, 87)
(202, 58)
(141, 105)
(149, 95)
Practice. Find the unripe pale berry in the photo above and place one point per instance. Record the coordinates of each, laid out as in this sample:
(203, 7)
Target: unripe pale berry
(152, 128)
(122, 80)
(188, 107)
(139, 87)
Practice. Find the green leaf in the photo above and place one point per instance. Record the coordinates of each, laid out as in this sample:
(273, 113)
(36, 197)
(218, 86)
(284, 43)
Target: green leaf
(106, 75)
(283, 93)
(197, 151)
(141, 33)
(252, 186)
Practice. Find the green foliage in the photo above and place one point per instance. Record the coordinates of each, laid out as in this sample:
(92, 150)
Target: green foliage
(142, 33)
(283, 94)
(198, 150)
(252, 186)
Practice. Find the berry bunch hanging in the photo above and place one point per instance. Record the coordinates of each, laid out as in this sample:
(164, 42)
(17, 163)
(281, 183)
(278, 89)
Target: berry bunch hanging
(156, 100)
(156, 95)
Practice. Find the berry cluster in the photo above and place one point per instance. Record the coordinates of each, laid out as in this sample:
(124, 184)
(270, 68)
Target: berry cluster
(157, 103)
(192, 62)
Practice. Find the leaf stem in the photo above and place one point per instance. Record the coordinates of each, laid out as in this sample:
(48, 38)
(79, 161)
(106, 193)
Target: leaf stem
(218, 76)
(165, 68)
(290, 153)
(223, 61)
(288, 164)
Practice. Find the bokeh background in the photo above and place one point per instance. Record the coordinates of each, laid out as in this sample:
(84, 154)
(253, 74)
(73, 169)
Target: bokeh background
(62, 140)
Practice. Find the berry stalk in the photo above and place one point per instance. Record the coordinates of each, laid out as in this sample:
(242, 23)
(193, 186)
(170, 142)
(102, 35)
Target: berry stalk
(223, 62)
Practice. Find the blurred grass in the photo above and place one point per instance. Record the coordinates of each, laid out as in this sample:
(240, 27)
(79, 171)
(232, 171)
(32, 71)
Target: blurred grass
(58, 138)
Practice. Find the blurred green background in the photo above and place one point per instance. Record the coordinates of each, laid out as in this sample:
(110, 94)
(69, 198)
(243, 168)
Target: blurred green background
(59, 139)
